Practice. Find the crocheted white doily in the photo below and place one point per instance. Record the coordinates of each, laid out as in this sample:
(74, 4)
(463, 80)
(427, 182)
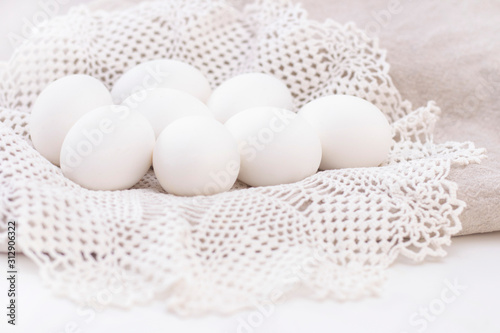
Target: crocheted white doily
(331, 235)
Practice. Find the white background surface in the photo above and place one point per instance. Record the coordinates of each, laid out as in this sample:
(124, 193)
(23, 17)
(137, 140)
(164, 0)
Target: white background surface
(473, 261)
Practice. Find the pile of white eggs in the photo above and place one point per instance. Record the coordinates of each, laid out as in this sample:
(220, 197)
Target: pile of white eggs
(163, 113)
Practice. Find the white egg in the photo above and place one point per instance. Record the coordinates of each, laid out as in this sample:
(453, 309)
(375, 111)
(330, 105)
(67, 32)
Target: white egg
(162, 106)
(354, 132)
(247, 91)
(276, 146)
(59, 106)
(109, 148)
(163, 73)
(196, 156)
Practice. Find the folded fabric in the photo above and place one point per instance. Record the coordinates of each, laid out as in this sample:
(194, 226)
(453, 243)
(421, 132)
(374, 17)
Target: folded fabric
(445, 51)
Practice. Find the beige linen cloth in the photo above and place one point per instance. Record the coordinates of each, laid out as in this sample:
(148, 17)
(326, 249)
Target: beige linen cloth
(447, 51)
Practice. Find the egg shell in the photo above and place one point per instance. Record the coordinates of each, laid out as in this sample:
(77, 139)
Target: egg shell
(196, 156)
(277, 146)
(354, 132)
(162, 106)
(162, 73)
(109, 148)
(58, 108)
(247, 91)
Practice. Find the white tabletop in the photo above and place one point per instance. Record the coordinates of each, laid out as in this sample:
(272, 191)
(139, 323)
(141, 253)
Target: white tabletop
(458, 293)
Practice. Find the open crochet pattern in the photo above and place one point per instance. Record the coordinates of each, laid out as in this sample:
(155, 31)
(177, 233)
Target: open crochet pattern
(332, 235)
